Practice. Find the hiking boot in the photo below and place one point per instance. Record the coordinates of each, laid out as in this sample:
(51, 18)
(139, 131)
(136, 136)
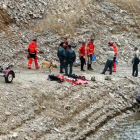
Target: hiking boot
(102, 73)
(61, 72)
(37, 67)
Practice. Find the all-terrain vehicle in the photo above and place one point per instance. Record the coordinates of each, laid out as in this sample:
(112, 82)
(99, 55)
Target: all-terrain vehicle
(7, 73)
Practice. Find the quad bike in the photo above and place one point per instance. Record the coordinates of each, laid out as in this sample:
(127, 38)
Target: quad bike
(8, 73)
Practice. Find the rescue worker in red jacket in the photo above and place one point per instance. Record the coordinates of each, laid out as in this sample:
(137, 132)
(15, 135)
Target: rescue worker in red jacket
(32, 49)
(90, 52)
(82, 55)
(115, 54)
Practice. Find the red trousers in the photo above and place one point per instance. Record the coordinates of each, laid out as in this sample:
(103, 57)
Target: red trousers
(30, 63)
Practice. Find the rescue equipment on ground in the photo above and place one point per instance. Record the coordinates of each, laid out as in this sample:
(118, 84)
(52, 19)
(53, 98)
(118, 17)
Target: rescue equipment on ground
(55, 78)
(71, 78)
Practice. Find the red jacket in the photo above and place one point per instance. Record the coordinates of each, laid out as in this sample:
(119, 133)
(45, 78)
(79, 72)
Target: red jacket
(82, 51)
(115, 49)
(33, 47)
(90, 48)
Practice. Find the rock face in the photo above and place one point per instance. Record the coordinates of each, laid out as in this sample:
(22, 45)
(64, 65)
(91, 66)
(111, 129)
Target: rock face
(49, 21)
(34, 108)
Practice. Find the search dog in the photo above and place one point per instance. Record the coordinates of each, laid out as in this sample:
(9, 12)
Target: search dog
(48, 65)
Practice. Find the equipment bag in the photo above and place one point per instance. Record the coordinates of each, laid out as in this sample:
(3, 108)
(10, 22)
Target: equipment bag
(93, 57)
(116, 62)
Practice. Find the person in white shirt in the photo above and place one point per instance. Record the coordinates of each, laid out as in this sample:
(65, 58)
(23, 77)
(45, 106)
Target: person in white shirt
(109, 62)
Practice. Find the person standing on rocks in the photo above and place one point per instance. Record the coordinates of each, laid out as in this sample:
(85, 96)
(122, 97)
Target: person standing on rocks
(32, 49)
(64, 42)
(61, 54)
(70, 58)
(82, 55)
(90, 52)
(109, 62)
(115, 51)
(135, 62)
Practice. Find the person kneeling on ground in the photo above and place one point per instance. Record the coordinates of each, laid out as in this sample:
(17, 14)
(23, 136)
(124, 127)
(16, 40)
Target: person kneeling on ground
(82, 55)
(70, 58)
(109, 62)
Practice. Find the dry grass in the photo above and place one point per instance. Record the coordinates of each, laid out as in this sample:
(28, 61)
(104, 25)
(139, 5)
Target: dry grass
(4, 20)
(65, 22)
(133, 6)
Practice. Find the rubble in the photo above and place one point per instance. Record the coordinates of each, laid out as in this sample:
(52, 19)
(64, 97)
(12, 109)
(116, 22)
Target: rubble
(35, 108)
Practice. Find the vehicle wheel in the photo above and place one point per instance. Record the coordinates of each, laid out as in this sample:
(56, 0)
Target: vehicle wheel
(9, 77)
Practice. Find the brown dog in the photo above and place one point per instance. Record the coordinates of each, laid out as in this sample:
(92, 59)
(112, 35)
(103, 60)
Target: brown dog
(49, 65)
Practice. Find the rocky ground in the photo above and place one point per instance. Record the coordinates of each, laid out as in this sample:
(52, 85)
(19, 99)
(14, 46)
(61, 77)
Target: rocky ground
(33, 108)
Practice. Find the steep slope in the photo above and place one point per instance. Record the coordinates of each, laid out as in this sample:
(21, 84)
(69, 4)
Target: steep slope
(49, 21)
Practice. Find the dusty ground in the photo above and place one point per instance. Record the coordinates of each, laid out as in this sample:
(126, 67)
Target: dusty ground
(33, 108)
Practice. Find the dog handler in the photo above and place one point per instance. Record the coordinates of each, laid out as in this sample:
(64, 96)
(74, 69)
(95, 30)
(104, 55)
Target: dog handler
(32, 49)
(70, 58)
(61, 55)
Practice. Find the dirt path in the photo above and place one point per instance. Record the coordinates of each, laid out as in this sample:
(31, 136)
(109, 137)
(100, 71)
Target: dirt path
(34, 108)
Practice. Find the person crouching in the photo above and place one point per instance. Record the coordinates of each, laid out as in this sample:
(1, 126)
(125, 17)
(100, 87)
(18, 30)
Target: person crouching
(109, 62)
(82, 55)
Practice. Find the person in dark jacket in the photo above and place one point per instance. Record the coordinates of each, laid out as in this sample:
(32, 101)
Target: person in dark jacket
(64, 42)
(135, 62)
(61, 55)
(69, 58)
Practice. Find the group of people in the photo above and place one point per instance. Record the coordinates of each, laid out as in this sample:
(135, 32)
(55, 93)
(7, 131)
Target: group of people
(85, 51)
(67, 56)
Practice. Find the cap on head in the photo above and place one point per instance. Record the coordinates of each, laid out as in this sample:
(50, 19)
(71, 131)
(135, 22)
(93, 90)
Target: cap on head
(110, 43)
(91, 39)
(111, 48)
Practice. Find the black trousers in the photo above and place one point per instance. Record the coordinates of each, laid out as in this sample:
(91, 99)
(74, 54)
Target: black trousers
(82, 62)
(135, 70)
(114, 59)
